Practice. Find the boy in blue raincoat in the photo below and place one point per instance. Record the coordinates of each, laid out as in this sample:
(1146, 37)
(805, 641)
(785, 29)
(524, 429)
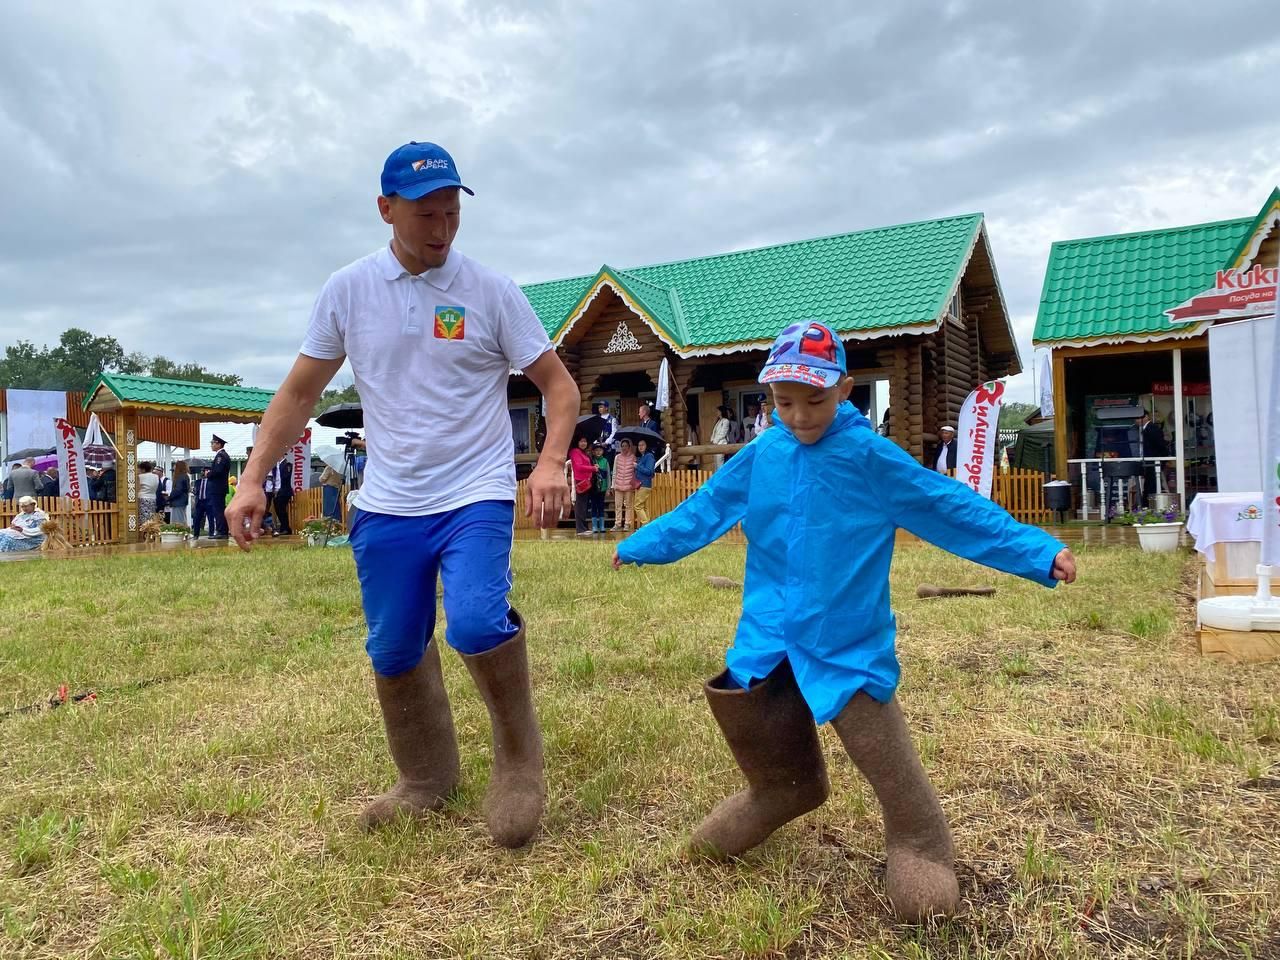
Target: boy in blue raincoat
(820, 499)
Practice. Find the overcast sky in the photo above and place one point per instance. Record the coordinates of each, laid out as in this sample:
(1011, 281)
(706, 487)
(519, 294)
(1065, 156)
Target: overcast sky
(185, 176)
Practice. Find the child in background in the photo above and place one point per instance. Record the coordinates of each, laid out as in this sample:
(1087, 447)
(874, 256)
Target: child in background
(583, 475)
(644, 481)
(624, 486)
(820, 497)
(599, 485)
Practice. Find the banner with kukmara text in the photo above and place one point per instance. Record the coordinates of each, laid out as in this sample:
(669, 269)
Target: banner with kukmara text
(979, 419)
(300, 458)
(73, 483)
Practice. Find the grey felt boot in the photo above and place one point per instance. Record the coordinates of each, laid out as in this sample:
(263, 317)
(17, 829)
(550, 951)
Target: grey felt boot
(415, 710)
(921, 878)
(513, 803)
(771, 732)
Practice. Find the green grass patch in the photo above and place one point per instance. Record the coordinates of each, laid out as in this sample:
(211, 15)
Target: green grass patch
(1108, 789)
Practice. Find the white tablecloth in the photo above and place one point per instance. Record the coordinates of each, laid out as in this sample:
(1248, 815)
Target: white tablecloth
(1225, 518)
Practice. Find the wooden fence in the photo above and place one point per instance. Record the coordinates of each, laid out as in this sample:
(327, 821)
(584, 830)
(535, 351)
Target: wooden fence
(96, 525)
(1021, 492)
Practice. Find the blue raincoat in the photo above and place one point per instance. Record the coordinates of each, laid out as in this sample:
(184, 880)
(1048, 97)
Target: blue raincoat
(820, 522)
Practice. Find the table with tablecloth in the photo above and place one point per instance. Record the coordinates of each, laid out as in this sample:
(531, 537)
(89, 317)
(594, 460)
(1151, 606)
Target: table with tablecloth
(1225, 518)
(1234, 521)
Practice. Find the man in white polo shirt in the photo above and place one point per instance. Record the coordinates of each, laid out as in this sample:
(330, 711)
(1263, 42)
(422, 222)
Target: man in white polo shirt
(432, 337)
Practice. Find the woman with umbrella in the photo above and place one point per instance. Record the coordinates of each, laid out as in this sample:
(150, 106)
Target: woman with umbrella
(644, 477)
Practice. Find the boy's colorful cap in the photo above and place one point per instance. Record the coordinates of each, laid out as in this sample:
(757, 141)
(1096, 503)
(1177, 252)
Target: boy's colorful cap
(416, 169)
(807, 352)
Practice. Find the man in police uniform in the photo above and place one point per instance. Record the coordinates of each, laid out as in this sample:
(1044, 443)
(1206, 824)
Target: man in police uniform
(219, 479)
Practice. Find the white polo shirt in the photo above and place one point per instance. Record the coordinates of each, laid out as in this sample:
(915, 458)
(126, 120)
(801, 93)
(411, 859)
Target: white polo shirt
(431, 356)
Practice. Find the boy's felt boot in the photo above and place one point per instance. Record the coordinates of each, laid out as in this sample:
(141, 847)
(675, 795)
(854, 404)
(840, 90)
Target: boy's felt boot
(415, 710)
(921, 878)
(771, 732)
(514, 800)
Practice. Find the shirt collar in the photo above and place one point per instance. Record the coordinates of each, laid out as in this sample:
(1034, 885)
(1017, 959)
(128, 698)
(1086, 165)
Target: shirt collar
(439, 277)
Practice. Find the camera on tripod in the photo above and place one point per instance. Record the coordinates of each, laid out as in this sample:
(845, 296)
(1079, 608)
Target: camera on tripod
(346, 438)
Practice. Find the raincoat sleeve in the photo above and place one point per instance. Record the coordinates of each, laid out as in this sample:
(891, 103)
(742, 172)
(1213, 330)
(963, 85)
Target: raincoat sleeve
(949, 515)
(706, 516)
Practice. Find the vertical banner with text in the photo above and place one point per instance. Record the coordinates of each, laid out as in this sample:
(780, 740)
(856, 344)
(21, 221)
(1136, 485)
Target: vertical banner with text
(979, 418)
(73, 484)
(300, 459)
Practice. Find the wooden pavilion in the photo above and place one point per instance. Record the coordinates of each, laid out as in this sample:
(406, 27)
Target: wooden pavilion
(918, 306)
(129, 400)
(1127, 318)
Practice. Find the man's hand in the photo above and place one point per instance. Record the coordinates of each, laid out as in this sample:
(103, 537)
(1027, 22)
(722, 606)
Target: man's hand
(548, 494)
(617, 561)
(1064, 567)
(244, 515)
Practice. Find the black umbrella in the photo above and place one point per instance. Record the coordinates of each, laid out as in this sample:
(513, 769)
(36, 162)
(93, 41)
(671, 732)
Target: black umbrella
(199, 463)
(343, 416)
(585, 428)
(31, 452)
(636, 434)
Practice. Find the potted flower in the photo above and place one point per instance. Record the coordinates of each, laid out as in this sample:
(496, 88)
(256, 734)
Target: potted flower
(317, 531)
(174, 532)
(1158, 530)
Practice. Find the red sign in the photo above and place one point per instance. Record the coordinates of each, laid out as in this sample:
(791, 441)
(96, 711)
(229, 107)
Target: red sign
(1233, 294)
(70, 461)
(1165, 389)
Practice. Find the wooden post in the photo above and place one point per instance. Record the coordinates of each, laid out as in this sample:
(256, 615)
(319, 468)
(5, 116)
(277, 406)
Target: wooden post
(127, 476)
(1060, 417)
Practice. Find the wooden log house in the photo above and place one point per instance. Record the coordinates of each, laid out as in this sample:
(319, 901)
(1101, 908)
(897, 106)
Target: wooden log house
(918, 306)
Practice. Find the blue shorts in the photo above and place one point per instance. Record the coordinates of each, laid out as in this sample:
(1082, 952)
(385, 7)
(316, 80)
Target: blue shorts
(398, 560)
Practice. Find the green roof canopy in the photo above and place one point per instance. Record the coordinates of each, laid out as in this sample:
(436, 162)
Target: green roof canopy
(1113, 289)
(182, 399)
(863, 284)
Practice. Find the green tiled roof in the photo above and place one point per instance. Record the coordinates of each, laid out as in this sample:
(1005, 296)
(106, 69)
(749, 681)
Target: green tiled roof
(870, 280)
(181, 393)
(1120, 286)
(1263, 214)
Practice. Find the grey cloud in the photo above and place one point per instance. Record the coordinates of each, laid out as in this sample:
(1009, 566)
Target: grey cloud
(185, 179)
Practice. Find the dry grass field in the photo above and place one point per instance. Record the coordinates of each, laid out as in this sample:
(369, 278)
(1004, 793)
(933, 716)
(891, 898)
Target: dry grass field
(1112, 794)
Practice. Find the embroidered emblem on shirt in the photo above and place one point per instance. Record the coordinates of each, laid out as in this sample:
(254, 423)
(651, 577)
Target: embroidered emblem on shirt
(451, 323)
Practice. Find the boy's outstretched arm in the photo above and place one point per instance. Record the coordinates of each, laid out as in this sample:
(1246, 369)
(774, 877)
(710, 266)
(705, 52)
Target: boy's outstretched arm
(706, 516)
(949, 515)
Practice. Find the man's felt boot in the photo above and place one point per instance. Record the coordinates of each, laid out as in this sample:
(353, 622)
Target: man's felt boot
(771, 732)
(415, 710)
(921, 879)
(517, 791)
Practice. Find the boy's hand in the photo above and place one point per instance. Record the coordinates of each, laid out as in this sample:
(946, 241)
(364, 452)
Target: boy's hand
(1064, 567)
(617, 561)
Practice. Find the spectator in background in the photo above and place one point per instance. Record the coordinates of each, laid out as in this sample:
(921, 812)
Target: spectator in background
(26, 482)
(49, 486)
(943, 457)
(180, 493)
(162, 493)
(720, 434)
(203, 506)
(647, 421)
(281, 478)
(331, 491)
(24, 532)
(148, 484)
(107, 483)
(764, 419)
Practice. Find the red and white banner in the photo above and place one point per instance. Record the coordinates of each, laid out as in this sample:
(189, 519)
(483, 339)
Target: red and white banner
(73, 483)
(1234, 293)
(979, 419)
(300, 458)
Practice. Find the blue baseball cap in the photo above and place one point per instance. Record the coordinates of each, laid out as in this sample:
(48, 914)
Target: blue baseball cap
(807, 352)
(416, 169)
